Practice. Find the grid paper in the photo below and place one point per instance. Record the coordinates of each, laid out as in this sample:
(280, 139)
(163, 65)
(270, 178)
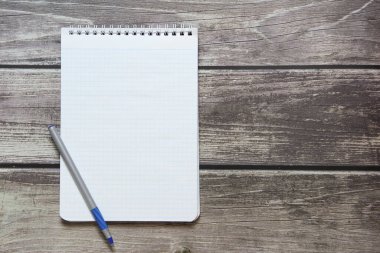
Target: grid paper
(129, 108)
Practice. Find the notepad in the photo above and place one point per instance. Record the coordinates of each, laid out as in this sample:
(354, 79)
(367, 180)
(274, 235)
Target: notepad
(129, 118)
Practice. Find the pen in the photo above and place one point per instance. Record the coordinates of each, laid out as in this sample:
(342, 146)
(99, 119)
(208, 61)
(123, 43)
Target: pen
(80, 184)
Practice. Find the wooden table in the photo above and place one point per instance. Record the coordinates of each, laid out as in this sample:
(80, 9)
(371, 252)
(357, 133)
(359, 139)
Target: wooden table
(289, 126)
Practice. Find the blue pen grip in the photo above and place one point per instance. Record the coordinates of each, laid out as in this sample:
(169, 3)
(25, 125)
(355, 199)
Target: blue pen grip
(99, 218)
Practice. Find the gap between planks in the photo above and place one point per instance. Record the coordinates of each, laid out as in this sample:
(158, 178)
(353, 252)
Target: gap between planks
(260, 171)
(227, 167)
(241, 67)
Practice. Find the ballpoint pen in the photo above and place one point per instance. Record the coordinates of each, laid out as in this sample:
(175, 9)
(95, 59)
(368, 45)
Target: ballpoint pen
(80, 184)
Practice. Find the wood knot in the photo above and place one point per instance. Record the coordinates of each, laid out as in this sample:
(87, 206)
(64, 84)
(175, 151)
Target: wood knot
(182, 250)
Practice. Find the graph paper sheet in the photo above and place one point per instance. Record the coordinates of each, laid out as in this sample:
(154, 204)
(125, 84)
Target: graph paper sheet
(129, 108)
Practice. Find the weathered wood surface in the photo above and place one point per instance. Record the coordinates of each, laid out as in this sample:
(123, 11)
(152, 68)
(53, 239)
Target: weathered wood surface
(267, 117)
(300, 117)
(241, 211)
(231, 33)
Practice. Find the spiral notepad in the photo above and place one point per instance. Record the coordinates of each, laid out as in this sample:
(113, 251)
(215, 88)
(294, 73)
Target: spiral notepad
(129, 117)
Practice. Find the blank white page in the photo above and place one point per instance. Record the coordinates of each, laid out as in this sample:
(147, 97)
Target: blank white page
(129, 118)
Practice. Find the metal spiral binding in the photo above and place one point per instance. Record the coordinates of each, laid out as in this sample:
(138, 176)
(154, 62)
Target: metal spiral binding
(134, 30)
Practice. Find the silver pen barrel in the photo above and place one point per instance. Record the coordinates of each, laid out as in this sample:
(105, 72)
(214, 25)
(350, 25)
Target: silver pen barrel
(72, 168)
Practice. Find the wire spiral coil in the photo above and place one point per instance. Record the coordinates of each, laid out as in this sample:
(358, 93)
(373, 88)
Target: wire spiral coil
(134, 30)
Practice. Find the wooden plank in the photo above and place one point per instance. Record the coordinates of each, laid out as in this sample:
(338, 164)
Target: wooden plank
(285, 117)
(303, 117)
(241, 211)
(231, 33)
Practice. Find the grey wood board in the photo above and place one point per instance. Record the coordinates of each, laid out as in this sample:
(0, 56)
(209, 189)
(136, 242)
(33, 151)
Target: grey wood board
(241, 211)
(268, 117)
(231, 33)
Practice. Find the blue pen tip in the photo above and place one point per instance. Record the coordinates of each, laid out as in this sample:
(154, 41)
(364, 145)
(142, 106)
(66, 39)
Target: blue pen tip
(51, 125)
(110, 241)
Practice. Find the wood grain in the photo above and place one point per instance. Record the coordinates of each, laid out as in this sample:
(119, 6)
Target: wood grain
(305, 117)
(269, 117)
(231, 33)
(241, 211)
